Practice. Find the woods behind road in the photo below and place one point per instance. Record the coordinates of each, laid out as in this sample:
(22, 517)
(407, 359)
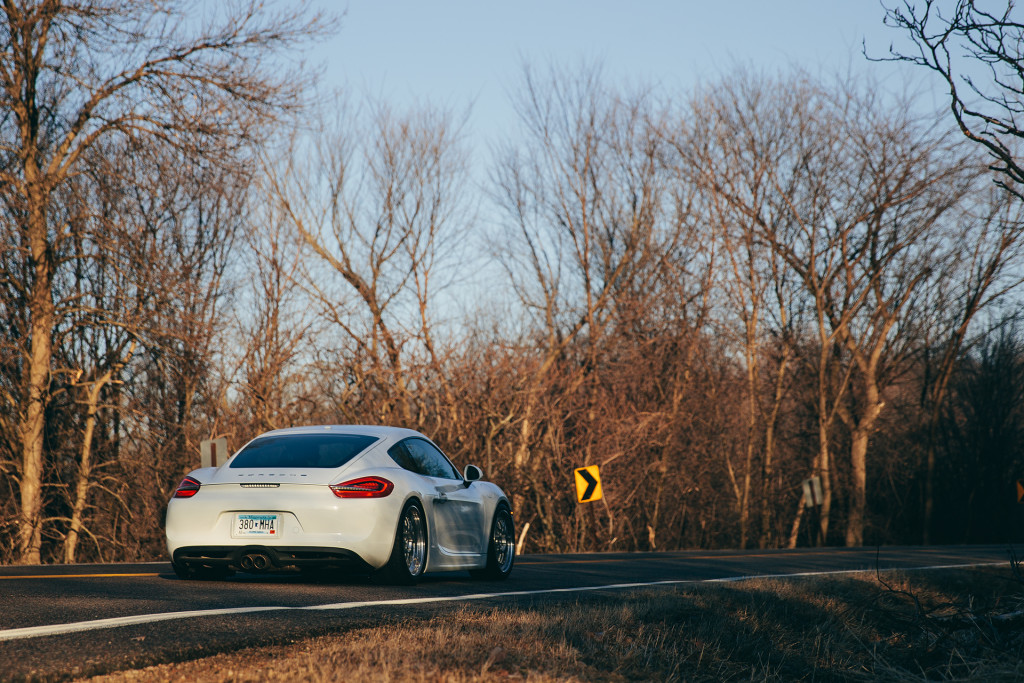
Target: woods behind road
(713, 295)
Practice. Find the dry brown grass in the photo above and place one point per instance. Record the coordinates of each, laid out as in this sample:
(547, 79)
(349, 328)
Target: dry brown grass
(950, 625)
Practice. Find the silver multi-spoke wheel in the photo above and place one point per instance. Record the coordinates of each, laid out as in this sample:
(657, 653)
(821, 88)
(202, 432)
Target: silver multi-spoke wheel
(504, 541)
(409, 553)
(501, 547)
(414, 540)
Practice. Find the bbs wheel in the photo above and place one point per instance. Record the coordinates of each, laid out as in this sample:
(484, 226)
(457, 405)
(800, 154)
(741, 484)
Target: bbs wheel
(501, 548)
(409, 554)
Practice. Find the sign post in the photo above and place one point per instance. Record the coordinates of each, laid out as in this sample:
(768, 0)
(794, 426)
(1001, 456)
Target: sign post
(813, 494)
(588, 484)
(814, 498)
(213, 452)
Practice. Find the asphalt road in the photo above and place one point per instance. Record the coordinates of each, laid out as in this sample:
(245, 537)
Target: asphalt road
(58, 622)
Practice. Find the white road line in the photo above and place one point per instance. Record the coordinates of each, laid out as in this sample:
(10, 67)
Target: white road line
(484, 596)
(113, 622)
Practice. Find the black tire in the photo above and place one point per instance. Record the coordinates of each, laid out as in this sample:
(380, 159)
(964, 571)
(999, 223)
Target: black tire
(501, 548)
(409, 553)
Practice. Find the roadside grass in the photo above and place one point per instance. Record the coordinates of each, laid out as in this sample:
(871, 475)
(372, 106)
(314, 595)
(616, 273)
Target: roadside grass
(897, 626)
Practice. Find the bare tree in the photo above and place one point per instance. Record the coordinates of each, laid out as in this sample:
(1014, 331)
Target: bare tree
(182, 230)
(758, 301)
(274, 330)
(977, 51)
(602, 258)
(382, 210)
(584, 201)
(981, 429)
(862, 208)
(148, 259)
(77, 74)
(748, 155)
(981, 273)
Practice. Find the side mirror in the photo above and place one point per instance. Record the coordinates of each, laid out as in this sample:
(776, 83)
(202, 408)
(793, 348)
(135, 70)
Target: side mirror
(472, 473)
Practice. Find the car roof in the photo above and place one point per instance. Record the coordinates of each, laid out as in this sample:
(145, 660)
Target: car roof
(379, 431)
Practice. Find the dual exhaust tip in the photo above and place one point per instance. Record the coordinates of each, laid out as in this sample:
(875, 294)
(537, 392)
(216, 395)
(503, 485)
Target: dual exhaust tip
(255, 562)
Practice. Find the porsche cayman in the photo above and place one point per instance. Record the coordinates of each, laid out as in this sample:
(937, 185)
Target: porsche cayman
(372, 499)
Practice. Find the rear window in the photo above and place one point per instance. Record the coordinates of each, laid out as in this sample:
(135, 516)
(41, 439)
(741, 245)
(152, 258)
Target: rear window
(302, 450)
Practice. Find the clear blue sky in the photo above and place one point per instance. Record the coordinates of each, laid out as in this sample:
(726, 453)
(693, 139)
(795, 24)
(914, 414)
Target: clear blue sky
(471, 52)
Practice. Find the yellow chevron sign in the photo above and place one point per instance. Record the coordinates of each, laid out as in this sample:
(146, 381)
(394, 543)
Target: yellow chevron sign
(588, 484)
(1020, 491)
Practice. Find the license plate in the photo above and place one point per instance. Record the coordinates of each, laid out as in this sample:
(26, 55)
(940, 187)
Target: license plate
(264, 525)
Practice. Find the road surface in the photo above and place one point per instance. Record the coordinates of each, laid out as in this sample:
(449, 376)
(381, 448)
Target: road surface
(60, 621)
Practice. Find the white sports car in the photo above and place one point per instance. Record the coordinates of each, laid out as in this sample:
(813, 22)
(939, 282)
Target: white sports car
(366, 498)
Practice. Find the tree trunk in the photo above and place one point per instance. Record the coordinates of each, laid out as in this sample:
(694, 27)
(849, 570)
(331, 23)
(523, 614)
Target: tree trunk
(752, 406)
(794, 530)
(824, 469)
(858, 499)
(84, 467)
(825, 472)
(929, 478)
(33, 419)
(81, 485)
(769, 452)
(859, 436)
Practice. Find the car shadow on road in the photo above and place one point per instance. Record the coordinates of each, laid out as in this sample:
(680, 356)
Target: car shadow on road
(324, 577)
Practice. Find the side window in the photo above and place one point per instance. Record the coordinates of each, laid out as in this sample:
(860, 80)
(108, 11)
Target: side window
(400, 454)
(429, 460)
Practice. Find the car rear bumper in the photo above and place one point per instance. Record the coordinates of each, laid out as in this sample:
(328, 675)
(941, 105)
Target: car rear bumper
(312, 519)
(244, 558)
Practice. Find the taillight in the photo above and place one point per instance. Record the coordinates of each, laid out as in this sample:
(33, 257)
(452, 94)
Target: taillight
(187, 488)
(364, 487)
